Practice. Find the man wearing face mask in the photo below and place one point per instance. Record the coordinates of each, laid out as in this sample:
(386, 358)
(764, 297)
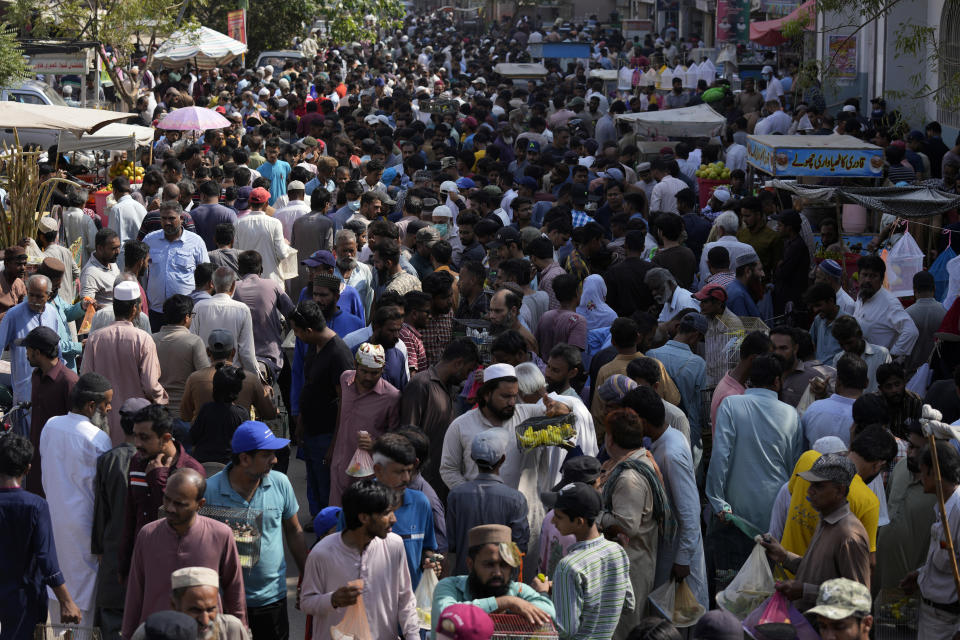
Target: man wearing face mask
(69, 448)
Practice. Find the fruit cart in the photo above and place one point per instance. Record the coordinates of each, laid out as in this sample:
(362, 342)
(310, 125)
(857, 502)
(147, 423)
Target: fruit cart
(699, 121)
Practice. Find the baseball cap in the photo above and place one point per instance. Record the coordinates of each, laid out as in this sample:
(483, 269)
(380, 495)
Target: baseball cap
(221, 341)
(253, 435)
(533, 146)
(576, 101)
(584, 469)
(570, 157)
(131, 405)
(831, 467)
(259, 195)
(465, 622)
(712, 290)
(577, 500)
(42, 338)
(750, 257)
(243, 198)
(320, 258)
(915, 135)
(506, 235)
(497, 371)
(579, 193)
(466, 183)
(489, 446)
(169, 625)
(613, 174)
(766, 69)
(790, 218)
(694, 322)
(829, 444)
(527, 181)
(842, 598)
(326, 519)
(449, 185)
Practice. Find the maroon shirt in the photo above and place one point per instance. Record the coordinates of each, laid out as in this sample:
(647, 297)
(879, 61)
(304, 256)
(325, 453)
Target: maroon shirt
(50, 396)
(145, 497)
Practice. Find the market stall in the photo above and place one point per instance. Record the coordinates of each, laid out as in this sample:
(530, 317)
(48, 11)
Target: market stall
(203, 47)
(831, 156)
(113, 137)
(519, 72)
(699, 121)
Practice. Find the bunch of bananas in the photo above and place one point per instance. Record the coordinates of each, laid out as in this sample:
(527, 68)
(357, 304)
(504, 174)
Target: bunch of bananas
(551, 435)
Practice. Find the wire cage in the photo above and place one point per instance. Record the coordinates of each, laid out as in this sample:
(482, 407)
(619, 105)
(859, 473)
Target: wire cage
(732, 350)
(895, 615)
(246, 525)
(65, 632)
(479, 332)
(509, 626)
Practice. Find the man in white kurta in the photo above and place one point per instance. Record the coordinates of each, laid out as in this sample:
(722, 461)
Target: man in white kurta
(69, 448)
(258, 232)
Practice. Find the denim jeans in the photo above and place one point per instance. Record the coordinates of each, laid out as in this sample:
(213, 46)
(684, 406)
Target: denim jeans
(318, 473)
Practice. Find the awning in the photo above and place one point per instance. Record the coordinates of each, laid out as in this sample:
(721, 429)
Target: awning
(699, 121)
(905, 202)
(206, 47)
(769, 33)
(113, 137)
(520, 70)
(19, 115)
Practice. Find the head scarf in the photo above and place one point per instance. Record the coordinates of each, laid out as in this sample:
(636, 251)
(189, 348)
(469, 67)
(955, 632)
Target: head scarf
(593, 305)
(371, 356)
(615, 388)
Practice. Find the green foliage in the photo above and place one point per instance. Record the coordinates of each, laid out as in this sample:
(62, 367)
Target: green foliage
(345, 18)
(13, 66)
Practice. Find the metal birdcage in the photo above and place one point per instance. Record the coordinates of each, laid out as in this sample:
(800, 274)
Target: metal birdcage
(247, 528)
(65, 632)
(508, 626)
(732, 350)
(896, 615)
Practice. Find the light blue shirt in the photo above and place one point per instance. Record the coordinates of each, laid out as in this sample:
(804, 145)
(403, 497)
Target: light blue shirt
(172, 265)
(265, 582)
(70, 349)
(756, 443)
(820, 333)
(739, 300)
(277, 174)
(672, 454)
(831, 416)
(17, 323)
(689, 373)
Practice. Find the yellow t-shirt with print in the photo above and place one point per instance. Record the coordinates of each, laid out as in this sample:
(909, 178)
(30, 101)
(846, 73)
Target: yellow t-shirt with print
(802, 519)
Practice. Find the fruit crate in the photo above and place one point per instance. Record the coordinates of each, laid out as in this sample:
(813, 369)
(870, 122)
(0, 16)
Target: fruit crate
(508, 626)
(706, 188)
(895, 615)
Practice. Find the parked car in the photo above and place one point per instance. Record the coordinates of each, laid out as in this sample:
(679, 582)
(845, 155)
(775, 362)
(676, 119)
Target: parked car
(31, 92)
(277, 59)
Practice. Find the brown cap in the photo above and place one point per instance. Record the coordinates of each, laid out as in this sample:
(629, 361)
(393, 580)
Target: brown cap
(52, 265)
(497, 534)
(13, 251)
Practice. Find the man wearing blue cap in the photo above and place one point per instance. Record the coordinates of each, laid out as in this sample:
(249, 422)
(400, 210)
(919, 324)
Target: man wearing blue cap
(249, 482)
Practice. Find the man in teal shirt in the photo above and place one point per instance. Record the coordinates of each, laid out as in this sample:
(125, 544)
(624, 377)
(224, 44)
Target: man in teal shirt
(492, 558)
(275, 170)
(249, 483)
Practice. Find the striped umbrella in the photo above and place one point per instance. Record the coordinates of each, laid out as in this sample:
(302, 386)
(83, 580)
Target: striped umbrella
(193, 119)
(204, 47)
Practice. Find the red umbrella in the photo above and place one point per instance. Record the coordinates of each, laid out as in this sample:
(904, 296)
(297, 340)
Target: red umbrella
(769, 33)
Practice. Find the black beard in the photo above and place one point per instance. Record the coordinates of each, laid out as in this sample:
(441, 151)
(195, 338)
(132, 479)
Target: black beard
(912, 465)
(556, 387)
(503, 414)
(479, 590)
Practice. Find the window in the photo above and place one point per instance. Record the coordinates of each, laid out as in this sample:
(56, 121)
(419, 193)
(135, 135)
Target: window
(27, 98)
(948, 112)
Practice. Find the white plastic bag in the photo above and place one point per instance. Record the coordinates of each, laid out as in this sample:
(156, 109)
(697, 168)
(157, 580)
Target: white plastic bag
(752, 585)
(903, 260)
(675, 601)
(424, 596)
(920, 380)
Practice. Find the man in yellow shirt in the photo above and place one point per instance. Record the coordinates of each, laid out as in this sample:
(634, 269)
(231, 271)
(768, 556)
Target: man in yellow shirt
(871, 451)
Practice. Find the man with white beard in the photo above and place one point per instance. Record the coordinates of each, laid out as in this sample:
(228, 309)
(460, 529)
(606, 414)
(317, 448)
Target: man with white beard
(69, 448)
(356, 274)
(195, 591)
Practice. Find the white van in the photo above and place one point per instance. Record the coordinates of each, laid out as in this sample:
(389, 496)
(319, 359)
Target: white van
(31, 92)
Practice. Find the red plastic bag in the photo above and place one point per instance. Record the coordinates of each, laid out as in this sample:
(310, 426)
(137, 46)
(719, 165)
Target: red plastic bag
(777, 619)
(354, 625)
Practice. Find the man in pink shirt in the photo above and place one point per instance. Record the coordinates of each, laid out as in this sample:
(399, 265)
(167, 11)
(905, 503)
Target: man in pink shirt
(126, 356)
(365, 549)
(734, 382)
(563, 324)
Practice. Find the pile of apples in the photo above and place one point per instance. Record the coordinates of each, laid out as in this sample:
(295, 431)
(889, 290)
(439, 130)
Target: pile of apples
(713, 171)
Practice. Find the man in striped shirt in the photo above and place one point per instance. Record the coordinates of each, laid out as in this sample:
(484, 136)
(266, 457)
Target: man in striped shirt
(591, 584)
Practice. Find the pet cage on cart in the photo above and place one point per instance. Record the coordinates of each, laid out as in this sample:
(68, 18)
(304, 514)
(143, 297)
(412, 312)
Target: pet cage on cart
(896, 615)
(247, 528)
(479, 332)
(65, 632)
(508, 626)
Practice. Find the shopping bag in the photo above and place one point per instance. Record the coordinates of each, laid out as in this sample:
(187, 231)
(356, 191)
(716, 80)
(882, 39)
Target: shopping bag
(752, 585)
(777, 619)
(904, 260)
(921, 380)
(941, 276)
(424, 596)
(354, 625)
(361, 464)
(662, 599)
(675, 602)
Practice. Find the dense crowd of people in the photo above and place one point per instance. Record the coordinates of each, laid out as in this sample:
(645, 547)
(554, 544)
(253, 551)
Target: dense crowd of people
(391, 264)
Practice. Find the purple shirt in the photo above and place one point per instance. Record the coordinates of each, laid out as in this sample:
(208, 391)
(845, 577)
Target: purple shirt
(559, 326)
(268, 302)
(206, 217)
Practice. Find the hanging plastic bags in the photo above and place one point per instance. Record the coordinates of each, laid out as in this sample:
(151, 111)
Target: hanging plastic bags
(675, 602)
(361, 464)
(354, 625)
(941, 277)
(424, 596)
(752, 585)
(903, 260)
(777, 619)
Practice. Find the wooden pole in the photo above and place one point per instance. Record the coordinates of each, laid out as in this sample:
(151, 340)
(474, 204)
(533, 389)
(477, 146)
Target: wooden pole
(943, 514)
